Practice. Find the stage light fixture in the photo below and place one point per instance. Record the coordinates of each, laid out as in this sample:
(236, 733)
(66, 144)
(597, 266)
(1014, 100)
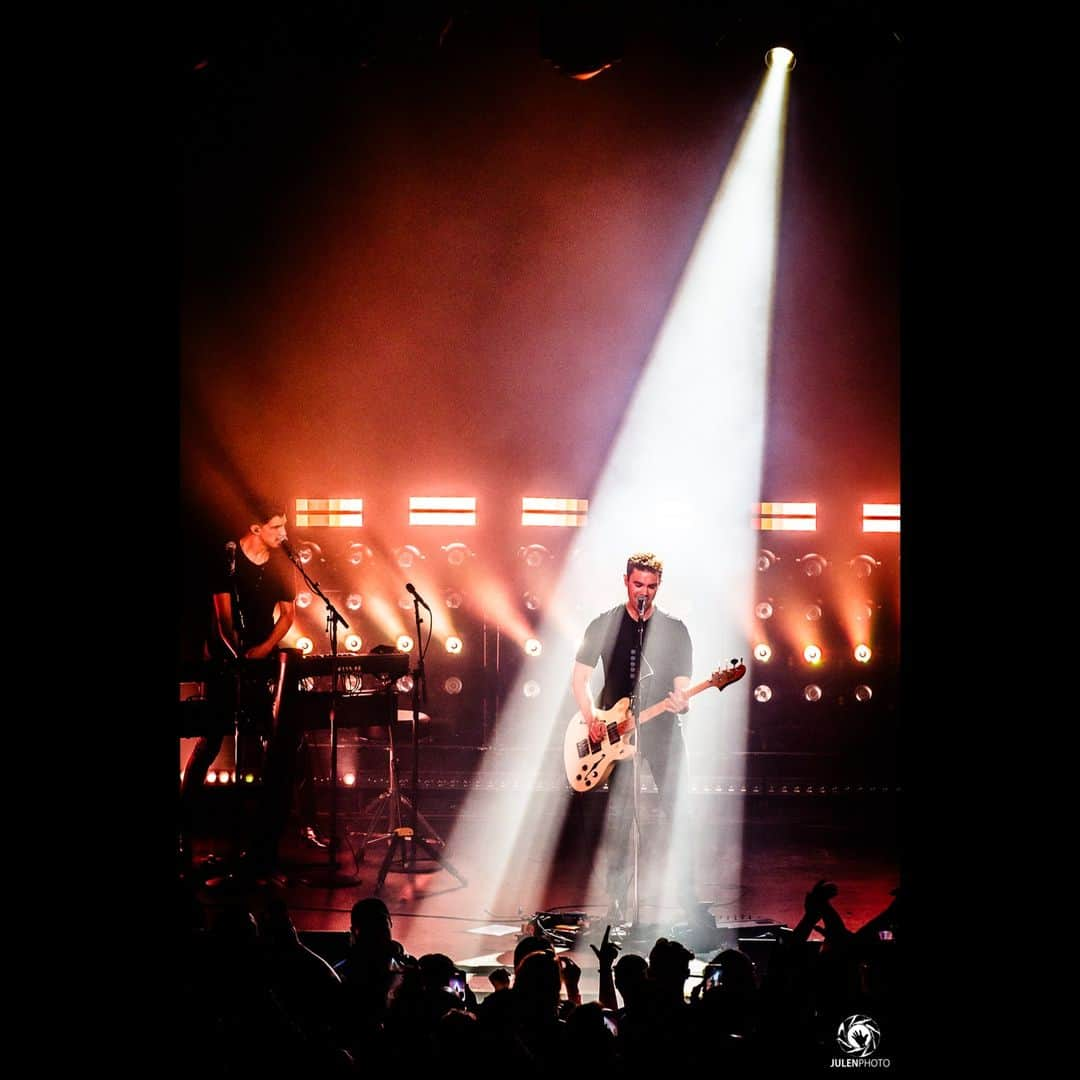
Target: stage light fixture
(812, 654)
(453, 598)
(307, 551)
(864, 611)
(766, 560)
(349, 779)
(812, 612)
(531, 689)
(454, 644)
(354, 642)
(863, 692)
(224, 777)
(763, 693)
(458, 554)
(863, 653)
(813, 565)
(531, 601)
(405, 684)
(354, 601)
(533, 647)
(764, 610)
(404, 643)
(534, 555)
(781, 58)
(303, 599)
(453, 685)
(763, 652)
(812, 692)
(863, 565)
(357, 553)
(211, 777)
(408, 555)
(305, 644)
(249, 778)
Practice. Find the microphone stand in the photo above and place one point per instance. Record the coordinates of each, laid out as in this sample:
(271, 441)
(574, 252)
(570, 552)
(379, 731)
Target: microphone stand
(635, 828)
(403, 835)
(332, 879)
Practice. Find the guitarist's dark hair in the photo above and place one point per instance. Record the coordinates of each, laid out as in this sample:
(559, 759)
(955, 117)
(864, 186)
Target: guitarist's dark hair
(645, 560)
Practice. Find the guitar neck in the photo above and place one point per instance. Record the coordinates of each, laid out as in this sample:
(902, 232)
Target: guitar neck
(655, 710)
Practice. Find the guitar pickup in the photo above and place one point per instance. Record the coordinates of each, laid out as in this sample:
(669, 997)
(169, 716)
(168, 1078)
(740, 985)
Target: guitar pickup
(583, 748)
(613, 733)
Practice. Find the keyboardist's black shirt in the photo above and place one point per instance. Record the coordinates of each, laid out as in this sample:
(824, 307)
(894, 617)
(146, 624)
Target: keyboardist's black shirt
(257, 590)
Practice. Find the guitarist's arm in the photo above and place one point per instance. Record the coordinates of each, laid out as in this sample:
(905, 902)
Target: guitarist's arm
(677, 701)
(223, 622)
(580, 685)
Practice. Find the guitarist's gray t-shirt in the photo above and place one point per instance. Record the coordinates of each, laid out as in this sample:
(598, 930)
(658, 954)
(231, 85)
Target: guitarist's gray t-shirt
(613, 638)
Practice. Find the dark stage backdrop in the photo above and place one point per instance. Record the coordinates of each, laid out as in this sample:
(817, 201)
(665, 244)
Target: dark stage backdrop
(413, 268)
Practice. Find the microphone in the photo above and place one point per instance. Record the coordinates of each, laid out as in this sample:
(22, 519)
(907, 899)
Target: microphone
(419, 599)
(641, 602)
(230, 552)
(288, 550)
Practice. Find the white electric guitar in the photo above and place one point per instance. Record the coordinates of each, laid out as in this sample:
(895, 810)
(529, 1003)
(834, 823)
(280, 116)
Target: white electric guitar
(588, 763)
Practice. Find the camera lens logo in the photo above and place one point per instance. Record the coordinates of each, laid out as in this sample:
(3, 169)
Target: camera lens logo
(858, 1035)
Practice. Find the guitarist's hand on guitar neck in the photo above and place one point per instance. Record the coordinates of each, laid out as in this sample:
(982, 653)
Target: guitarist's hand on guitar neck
(677, 701)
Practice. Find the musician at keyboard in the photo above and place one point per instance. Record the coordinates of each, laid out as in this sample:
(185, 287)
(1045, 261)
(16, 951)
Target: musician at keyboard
(251, 594)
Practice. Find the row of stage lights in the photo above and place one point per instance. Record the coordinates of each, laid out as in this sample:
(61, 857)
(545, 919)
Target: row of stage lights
(812, 692)
(454, 645)
(812, 653)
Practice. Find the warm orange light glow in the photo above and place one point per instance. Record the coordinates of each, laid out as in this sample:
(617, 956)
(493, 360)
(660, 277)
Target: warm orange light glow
(404, 643)
(881, 517)
(211, 777)
(442, 510)
(812, 654)
(305, 645)
(863, 653)
(561, 513)
(329, 513)
(349, 779)
(763, 652)
(454, 644)
(354, 642)
(786, 517)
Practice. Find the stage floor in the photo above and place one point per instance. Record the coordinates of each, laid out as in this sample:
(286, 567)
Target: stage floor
(787, 845)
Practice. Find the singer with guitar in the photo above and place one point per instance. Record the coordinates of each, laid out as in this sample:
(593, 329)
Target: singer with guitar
(251, 588)
(665, 664)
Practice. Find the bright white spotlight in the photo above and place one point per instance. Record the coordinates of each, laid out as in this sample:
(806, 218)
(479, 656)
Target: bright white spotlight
(863, 565)
(766, 560)
(349, 779)
(354, 601)
(453, 685)
(812, 692)
(534, 555)
(533, 647)
(357, 553)
(763, 652)
(812, 654)
(781, 58)
(863, 693)
(303, 599)
(305, 644)
(457, 554)
(531, 689)
(863, 653)
(405, 684)
(764, 610)
(224, 777)
(354, 642)
(453, 598)
(454, 644)
(211, 777)
(404, 643)
(763, 693)
(308, 551)
(813, 565)
(408, 556)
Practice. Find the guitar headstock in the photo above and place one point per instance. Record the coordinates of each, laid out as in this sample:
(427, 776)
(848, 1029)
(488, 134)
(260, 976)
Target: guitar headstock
(733, 673)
